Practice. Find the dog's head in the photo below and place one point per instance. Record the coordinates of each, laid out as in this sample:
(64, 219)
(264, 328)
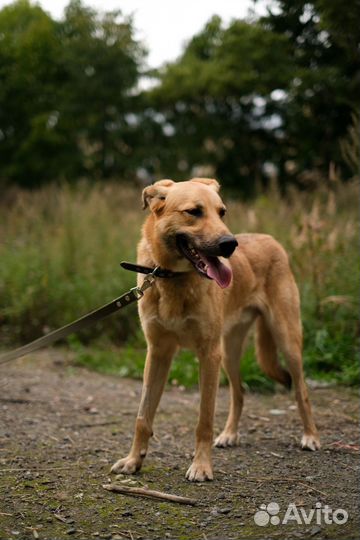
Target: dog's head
(187, 227)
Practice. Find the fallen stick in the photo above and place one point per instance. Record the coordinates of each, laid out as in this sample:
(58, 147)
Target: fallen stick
(128, 534)
(22, 401)
(141, 492)
(80, 426)
(343, 446)
(60, 518)
(312, 489)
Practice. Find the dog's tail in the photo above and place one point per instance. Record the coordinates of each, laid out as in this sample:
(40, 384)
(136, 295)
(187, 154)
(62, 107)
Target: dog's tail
(266, 354)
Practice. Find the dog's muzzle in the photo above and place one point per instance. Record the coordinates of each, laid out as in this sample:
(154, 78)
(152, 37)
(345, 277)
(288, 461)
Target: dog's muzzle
(205, 258)
(227, 245)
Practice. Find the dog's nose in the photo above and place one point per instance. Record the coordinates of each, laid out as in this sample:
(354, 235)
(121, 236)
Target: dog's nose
(227, 245)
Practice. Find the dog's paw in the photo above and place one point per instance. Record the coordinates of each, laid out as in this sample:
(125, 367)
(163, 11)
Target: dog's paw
(310, 442)
(199, 472)
(127, 465)
(227, 438)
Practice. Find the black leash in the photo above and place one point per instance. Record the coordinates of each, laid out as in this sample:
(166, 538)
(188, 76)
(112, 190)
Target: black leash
(133, 295)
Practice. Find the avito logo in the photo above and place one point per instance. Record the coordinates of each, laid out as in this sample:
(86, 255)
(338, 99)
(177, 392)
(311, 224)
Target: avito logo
(268, 514)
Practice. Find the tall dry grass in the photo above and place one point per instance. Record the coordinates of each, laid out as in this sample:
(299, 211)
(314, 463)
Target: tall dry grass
(60, 249)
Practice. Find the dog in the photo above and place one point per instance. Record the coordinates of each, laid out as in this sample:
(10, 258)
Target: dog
(223, 284)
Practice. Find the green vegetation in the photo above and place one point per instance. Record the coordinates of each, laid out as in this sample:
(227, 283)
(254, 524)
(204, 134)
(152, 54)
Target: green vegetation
(65, 93)
(274, 93)
(60, 249)
(265, 104)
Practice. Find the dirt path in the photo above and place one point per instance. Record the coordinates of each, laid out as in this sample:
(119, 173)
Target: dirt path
(61, 428)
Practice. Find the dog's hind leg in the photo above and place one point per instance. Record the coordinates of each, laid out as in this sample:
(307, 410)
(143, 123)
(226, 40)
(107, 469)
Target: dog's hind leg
(158, 360)
(285, 325)
(267, 356)
(234, 345)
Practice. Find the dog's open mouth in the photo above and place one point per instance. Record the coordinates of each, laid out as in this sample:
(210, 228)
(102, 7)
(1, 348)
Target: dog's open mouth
(206, 265)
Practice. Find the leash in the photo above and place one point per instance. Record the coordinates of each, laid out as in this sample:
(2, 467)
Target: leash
(131, 296)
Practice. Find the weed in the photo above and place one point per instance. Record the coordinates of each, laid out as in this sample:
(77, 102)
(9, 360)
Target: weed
(60, 249)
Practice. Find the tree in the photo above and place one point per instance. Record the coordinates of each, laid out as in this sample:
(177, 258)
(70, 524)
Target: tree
(103, 62)
(270, 94)
(65, 92)
(274, 94)
(325, 85)
(29, 73)
(215, 97)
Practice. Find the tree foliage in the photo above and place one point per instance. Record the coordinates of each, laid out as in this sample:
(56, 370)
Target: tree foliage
(253, 99)
(324, 89)
(265, 96)
(216, 99)
(65, 92)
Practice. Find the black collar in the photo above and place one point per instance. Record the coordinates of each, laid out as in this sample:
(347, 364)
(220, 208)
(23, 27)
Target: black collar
(157, 272)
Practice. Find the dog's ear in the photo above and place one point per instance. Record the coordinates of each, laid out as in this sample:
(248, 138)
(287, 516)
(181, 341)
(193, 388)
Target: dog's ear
(154, 196)
(211, 182)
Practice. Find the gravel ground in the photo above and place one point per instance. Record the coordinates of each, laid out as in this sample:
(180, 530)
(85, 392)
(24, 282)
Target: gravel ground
(62, 427)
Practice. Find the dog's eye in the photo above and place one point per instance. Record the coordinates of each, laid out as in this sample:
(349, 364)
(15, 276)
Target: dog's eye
(197, 212)
(222, 212)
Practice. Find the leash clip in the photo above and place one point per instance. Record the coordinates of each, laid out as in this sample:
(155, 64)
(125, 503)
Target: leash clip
(146, 284)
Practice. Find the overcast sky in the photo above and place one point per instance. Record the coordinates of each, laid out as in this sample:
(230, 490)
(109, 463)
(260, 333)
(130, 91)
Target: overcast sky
(164, 25)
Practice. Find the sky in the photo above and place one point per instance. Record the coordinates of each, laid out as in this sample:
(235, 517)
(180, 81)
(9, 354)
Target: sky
(164, 25)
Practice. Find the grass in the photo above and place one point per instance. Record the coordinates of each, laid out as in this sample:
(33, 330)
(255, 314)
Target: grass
(129, 362)
(60, 249)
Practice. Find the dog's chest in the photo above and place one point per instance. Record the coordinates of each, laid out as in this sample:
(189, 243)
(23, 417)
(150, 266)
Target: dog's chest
(179, 325)
(176, 309)
(180, 311)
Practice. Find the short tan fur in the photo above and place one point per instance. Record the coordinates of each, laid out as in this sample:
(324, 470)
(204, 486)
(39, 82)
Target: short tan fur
(195, 312)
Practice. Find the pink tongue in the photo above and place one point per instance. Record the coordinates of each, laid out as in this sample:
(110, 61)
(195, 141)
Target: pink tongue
(218, 271)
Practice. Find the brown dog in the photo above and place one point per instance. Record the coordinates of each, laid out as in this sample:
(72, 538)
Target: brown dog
(225, 284)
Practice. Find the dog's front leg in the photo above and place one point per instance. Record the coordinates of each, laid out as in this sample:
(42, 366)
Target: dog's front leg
(210, 361)
(158, 360)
